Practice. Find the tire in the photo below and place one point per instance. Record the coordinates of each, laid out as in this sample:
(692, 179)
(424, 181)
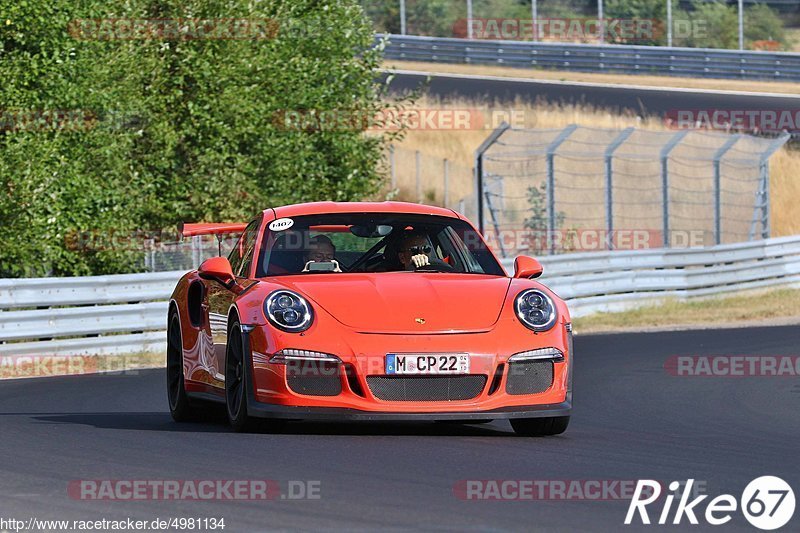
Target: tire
(236, 384)
(180, 406)
(236, 381)
(540, 427)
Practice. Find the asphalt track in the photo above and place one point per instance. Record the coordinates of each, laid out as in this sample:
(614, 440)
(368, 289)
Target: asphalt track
(640, 100)
(632, 420)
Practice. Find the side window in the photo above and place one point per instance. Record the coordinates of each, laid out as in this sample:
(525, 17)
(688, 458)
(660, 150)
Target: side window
(242, 254)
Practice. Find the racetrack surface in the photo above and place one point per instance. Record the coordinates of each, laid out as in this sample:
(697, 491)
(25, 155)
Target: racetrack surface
(640, 100)
(632, 420)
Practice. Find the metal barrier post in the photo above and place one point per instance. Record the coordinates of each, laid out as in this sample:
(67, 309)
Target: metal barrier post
(624, 134)
(678, 137)
(446, 198)
(551, 183)
(197, 244)
(485, 145)
(764, 171)
(718, 187)
(392, 169)
(417, 166)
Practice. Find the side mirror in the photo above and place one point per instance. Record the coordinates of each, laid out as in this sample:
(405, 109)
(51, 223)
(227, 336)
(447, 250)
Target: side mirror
(217, 269)
(527, 267)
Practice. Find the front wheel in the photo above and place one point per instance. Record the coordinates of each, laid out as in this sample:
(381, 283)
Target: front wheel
(235, 381)
(540, 427)
(236, 384)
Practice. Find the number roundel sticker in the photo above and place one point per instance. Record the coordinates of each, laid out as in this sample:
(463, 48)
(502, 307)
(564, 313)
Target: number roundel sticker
(281, 224)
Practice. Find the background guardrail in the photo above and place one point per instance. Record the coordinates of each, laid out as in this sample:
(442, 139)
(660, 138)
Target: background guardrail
(614, 281)
(702, 62)
(86, 315)
(127, 313)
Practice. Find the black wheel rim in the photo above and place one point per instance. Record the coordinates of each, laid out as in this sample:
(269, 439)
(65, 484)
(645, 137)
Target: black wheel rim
(174, 362)
(234, 373)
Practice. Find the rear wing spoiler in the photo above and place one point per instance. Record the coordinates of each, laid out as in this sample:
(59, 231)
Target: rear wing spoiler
(202, 228)
(218, 229)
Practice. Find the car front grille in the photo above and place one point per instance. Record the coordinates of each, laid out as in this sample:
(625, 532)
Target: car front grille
(532, 377)
(426, 388)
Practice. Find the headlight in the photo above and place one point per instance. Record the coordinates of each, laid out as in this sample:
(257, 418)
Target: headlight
(535, 309)
(288, 311)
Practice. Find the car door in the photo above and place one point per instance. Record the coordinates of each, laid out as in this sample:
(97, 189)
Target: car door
(220, 299)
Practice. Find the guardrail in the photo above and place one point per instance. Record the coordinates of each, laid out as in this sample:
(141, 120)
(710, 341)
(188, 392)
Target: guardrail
(86, 315)
(630, 59)
(614, 281)
(127, 313)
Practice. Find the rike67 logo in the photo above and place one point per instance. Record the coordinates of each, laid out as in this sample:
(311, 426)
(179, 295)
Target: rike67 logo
(767, 503)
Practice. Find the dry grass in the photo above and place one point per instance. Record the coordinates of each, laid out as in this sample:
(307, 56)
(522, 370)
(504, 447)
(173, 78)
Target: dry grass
(560, 75)
(45, 366)
(794, 37)
(458, 148)
(765, 307)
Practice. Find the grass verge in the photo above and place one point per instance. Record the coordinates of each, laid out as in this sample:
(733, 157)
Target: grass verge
(779, 306)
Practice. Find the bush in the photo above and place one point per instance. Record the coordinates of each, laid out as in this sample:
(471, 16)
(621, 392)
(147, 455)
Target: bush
(177, 130)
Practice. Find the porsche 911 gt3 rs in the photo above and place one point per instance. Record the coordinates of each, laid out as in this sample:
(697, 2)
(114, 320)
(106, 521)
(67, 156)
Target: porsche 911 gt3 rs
(367, 311)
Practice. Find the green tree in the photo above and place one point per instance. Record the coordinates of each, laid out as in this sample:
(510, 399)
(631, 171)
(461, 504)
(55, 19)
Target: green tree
(762, 23)
(179, 129)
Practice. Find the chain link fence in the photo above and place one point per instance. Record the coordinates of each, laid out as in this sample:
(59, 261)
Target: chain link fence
(582, 189)
(422, 178)
(186, 254)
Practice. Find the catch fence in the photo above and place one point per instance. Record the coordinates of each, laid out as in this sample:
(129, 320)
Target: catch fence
(580, 189)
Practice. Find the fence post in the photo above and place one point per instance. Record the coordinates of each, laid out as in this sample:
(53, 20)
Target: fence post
(446, 198)
(718, 187)
(418, 164)
(197, 244)
(609, 155)
(551, 183)
(479, 153)
(392, 167)
(763, 167)
(665, 151)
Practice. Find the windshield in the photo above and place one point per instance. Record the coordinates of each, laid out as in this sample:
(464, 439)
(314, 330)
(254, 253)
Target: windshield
(375, 242)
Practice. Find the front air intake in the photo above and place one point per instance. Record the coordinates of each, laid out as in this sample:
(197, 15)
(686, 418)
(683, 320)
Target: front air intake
(532, 377)
(426, 388)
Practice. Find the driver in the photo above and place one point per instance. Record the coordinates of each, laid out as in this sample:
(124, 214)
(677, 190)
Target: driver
(321, 250)
(414, 250)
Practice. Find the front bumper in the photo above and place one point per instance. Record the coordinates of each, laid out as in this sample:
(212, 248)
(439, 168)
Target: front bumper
(555, 402)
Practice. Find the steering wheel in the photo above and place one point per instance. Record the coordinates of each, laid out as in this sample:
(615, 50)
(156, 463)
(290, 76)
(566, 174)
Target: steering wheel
(434, 265)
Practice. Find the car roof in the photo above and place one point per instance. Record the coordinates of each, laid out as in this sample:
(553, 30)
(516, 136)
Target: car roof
(319, 208)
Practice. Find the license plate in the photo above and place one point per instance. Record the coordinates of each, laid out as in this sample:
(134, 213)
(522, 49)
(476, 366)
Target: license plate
(427, 363)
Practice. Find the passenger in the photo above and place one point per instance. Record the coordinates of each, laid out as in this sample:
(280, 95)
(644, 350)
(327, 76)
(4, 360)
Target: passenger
(321, 250)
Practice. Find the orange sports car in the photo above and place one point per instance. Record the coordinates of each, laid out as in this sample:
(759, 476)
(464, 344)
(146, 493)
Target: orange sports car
(367, 311)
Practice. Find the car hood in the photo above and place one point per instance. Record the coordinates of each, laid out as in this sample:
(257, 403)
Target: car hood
(406, 302)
